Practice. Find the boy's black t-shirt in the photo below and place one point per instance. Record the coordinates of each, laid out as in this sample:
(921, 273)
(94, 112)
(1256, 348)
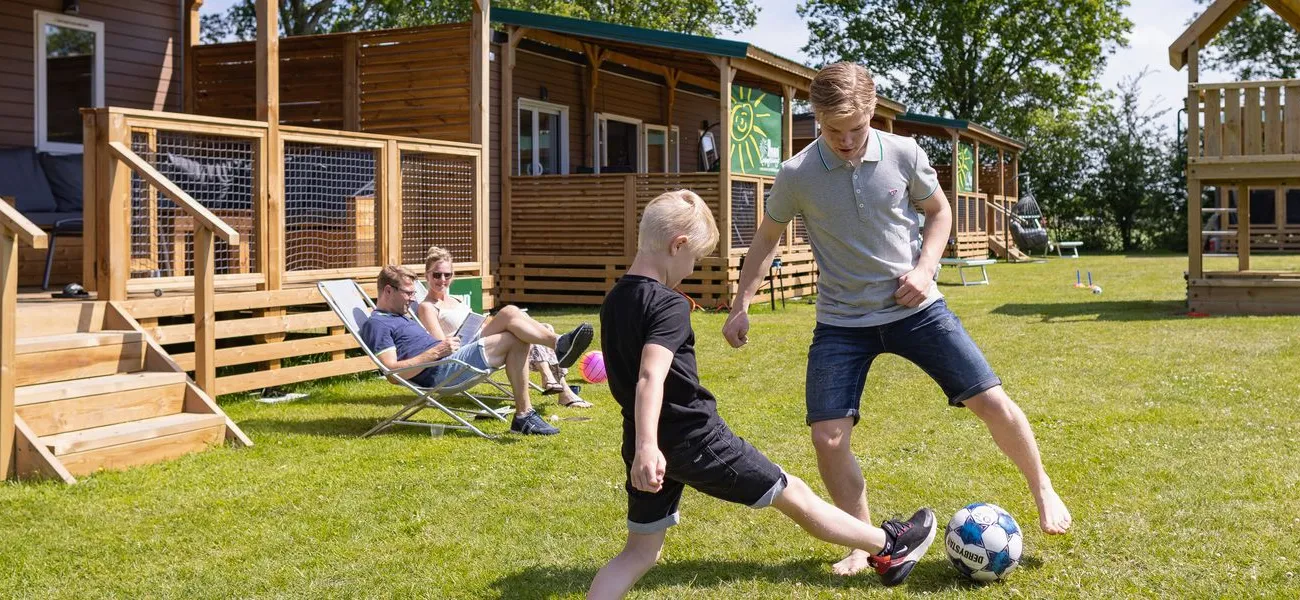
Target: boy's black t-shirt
(640, 311)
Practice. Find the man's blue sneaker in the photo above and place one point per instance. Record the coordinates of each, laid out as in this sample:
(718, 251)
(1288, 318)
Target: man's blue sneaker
(532, 424)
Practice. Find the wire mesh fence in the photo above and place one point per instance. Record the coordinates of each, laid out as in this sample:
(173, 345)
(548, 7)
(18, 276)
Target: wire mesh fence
(330, 215)
(437, 206)
(800, 230)
(744, 212)
(217, 172)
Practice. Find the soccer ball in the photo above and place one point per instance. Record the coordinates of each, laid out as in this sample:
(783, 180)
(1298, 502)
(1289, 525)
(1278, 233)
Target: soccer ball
(983, 542)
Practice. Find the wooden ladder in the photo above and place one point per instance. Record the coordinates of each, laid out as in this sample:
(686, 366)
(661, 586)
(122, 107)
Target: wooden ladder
(995, 244)
(94, 391)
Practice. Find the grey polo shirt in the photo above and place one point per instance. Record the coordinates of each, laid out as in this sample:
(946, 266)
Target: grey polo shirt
(864, 231)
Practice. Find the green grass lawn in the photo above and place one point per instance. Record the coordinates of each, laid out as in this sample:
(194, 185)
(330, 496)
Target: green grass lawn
(1175, 441)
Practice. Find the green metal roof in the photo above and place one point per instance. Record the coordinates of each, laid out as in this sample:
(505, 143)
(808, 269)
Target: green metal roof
(958, 124)
(622, 33)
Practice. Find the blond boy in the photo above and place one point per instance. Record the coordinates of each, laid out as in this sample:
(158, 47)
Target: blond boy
(672, 434)
(854, 188)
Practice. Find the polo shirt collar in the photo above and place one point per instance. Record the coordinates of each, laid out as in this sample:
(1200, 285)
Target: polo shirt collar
(872, 153)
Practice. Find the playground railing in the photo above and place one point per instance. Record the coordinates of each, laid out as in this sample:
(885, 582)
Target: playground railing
(1239, 120)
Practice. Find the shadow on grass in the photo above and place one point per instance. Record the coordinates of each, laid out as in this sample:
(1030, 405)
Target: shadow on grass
(1127, 310)
(354, 427)
(551, 581)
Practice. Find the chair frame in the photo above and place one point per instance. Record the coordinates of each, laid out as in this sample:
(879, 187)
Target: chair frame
(426, 397)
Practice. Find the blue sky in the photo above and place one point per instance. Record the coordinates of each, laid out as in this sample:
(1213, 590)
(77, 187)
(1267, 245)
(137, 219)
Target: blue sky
(1156, 23)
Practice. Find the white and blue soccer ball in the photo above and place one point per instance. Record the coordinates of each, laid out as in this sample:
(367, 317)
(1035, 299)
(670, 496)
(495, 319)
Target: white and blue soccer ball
(983, 542)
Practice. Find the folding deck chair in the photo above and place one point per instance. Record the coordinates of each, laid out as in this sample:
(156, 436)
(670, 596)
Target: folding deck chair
(353, 306)
(422, 291)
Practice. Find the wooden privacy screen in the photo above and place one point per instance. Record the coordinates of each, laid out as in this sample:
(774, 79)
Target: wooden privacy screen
(1249, 119)
(412, 82)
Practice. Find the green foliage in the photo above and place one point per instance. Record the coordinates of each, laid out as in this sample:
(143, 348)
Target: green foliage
(1174, 441)
(1257, 44)
(306, 17)
(989, 61)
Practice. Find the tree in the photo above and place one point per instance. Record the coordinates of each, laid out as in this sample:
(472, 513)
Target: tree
(1257, 44)
(306, 17)
(990, 61)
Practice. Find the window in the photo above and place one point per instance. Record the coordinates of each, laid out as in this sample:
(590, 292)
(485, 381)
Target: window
(1293, 206)
(543, 138)
(1262, 207)
(618, 144)
(69, 76)
(656, 149)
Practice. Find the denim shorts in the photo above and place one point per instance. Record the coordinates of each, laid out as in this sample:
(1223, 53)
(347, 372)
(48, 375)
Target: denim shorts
(472, 354)
(932, 339)
(720, 464)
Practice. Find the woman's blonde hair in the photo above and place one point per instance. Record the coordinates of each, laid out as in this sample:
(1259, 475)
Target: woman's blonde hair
(843, 89)
(435, 256)
(678, 213)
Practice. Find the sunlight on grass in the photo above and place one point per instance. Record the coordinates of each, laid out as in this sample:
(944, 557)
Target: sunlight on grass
(1174, 440)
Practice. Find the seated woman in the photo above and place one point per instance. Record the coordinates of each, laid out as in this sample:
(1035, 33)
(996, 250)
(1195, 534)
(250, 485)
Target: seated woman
(442, 314)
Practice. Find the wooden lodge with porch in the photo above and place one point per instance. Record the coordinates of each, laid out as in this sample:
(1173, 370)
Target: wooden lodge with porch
(1243, 147)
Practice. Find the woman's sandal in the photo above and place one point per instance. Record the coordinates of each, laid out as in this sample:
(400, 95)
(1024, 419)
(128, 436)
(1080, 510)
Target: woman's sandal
(579, 403)
(552, 389)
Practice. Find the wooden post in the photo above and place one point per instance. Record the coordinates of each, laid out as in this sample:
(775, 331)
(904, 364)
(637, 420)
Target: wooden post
(507, 147)
(389, 178)
(725, 74)
(191, 41)
(787, 122)
(671, 78)
(351, 83)
(8, 338)
(955, 229)
(114, 196)
(272, 223)
(89, 198)
(1194, 238)
(205, 318)
(1243, 227)
(480, 127)
(595, 57)
(629, 217)
(1002, 181)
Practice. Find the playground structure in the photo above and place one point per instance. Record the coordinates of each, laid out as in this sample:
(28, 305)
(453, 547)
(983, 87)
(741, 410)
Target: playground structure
(1243, 141)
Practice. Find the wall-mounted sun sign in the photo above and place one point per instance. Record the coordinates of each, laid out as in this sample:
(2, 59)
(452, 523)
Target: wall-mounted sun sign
(755, 146)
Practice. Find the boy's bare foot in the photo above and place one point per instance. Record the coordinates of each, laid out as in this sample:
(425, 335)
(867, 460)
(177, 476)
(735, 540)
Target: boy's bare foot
(1053, 516)
(856, 562)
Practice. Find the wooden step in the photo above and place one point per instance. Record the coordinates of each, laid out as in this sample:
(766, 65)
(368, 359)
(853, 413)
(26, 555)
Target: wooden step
(64, 357)
(127, 433)
(60, 407)
(53, 318)
(145, 451)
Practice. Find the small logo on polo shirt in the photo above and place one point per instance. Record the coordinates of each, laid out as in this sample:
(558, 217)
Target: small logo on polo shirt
(893, 191)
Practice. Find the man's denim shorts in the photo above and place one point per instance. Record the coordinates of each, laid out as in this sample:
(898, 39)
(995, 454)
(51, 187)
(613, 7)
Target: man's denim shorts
(472, 354)
(932, 338)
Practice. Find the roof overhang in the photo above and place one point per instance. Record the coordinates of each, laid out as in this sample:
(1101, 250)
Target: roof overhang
(1216, 17)
(932, 125)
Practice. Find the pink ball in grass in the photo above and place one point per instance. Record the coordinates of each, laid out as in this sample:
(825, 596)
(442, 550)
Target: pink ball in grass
(592, 365)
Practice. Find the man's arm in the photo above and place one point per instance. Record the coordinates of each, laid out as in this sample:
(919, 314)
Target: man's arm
(759, 256)
(648, 467)
(913, 285)
(442, 349)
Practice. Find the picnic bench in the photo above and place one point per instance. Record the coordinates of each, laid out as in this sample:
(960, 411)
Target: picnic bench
(964, 263)
(1073, 246)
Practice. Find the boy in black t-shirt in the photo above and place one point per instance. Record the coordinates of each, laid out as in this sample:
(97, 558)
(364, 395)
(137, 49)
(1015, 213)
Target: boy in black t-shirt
(672, 434)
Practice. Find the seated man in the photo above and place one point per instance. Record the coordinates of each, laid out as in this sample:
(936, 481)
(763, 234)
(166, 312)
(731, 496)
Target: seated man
(401, 343)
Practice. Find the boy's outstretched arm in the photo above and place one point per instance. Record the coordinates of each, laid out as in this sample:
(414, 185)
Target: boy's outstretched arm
(648, 467)
(761, 249)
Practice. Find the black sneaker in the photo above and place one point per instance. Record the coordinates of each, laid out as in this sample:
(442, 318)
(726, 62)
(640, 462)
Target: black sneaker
(906, 543)
(532, 424)
(570, 345)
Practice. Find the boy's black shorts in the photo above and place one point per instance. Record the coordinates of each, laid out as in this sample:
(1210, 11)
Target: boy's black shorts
(720, 464)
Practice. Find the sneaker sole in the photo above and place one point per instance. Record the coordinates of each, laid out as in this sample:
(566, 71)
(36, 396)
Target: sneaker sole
(580, 341)
(914, 556)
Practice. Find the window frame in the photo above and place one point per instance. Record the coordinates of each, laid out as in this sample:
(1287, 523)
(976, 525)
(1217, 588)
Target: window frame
(645, 146)
(42, 19)
(536, 106)
(600, 149)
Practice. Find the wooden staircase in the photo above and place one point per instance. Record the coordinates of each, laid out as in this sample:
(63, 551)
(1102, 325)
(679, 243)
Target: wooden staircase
(1002, 251)
(95, 392)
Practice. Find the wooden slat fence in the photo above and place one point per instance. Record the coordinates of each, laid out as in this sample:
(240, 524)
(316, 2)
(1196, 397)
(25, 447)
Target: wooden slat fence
(1244, 119)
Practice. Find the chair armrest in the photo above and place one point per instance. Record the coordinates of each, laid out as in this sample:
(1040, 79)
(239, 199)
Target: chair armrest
(442, 361)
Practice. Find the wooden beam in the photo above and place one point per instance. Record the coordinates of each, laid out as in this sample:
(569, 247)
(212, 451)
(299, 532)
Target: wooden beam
(726, 73)
(205, 317)
(351, 83)
(390, 204)
(32, 459)
(8, 338)
(268, 61)
(1204, 28)
(508, 141)
(268, 111)
(787, 122)
(1243, 227)
(190, 65)
(1194, 239)
(480, 127)
(956, 187)
(188, 204)
(771, 73)
(114, 191)
(640, 64)
(89, 197)
(16, 225)
(671, 77)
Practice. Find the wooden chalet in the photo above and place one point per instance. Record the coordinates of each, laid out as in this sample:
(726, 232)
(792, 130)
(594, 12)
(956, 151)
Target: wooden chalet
(202, 236)
(1243, 161)
(980, 178)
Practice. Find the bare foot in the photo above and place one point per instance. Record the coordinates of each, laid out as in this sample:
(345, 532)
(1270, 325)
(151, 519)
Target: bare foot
(854, 563)
(1053, 516)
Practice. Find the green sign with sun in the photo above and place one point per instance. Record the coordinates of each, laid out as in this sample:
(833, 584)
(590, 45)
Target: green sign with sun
(755, 146)
(965, 167)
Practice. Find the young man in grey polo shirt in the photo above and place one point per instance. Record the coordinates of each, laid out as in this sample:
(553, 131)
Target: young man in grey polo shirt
(855, 187)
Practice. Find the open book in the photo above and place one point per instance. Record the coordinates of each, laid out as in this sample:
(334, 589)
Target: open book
(471, 328)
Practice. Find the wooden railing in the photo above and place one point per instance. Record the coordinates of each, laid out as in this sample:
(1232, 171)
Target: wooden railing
(1244, 119)
(309, 203)
(13, 227)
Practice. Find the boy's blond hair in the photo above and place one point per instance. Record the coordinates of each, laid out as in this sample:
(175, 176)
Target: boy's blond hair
(395, 276)
(435, 256)
(841, 90)
(678, 213)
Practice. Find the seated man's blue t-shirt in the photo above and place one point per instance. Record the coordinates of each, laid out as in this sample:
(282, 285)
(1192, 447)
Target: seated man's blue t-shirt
(388, 332)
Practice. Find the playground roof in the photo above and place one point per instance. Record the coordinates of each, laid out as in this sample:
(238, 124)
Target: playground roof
(932, 125)
(1217, 16)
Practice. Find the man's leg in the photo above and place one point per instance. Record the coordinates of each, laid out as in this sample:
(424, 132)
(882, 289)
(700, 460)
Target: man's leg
(1014, 436)
(622, 572)
(843, 478)
(506, 349)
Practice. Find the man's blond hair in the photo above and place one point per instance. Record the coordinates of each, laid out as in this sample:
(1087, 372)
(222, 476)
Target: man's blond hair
(841, 90)
(394, 275)
(678, 213)
(435, 256)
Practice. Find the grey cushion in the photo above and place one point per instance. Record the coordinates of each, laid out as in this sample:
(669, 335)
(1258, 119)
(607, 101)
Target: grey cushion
(21, 176)
(48, 219)
(64, 173)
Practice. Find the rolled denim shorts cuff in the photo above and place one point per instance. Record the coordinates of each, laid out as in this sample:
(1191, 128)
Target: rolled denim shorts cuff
(960, 399)
(831, 415)
(655, 527)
